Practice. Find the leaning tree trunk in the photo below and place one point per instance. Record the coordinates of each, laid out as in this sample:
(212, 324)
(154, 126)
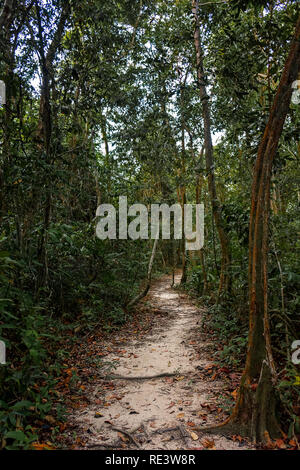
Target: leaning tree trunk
(255, 408)
(144, 292)
(44, 132)
(225, 280)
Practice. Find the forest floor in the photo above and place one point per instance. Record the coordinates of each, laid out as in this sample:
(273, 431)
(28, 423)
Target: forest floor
(125, 408)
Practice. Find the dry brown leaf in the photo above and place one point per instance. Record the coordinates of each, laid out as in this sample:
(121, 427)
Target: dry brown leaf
(50, 419)
(194, 436)
(280, 444)
(122, 437)
(171, 405)
(208, 444)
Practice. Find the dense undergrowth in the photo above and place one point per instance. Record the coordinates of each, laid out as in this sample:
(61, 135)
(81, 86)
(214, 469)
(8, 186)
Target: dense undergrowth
(90, 283)
(226, 320)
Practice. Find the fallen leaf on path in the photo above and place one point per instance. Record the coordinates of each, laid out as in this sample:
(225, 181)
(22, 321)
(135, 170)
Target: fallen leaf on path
(237, 438)
(209, 444)
(180, 415)
(122, 437)
(50, 419)
(194, 436)
(170, 380)
(171, 405)
(280, 444)
(41, 446)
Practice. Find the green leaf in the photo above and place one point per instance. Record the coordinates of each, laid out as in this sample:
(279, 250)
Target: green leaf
(17, 435)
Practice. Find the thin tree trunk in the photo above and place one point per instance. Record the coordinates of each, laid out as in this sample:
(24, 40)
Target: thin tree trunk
(6, 15)
(6, 19)
(182, 190)
(148, 283)
(44, 132)
(225, 278)
(199, 185)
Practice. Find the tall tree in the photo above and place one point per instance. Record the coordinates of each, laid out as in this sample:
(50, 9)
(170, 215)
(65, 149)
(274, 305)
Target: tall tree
(224, 285)
(46, 57)
(255, 410)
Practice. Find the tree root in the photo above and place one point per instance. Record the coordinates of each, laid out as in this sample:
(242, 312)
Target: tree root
(161, 431)
(128, 377)
(184, 434)
(226, 428)
(254, 415)
(128, 434)
(112, 445)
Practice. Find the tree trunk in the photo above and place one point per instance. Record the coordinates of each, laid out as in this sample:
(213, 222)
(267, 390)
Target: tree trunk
(44, 132)
(148, 284)
(199, 185)
(225, 278)
(255, 408)
(6, 20)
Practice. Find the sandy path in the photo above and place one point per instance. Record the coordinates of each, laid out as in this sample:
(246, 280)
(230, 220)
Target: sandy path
(147, 408)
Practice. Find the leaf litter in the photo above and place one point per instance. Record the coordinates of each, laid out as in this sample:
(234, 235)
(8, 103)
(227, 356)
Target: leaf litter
(161, 382)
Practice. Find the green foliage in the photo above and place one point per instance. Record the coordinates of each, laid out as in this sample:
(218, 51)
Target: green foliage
(121, 117)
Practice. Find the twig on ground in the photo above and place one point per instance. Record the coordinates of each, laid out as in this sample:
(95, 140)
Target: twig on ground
(184, 434)
(126, 433)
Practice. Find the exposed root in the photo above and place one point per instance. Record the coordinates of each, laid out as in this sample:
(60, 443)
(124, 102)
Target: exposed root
(126, 433)
(227, 428)
(254, 415)
(112, 445)
(161, 431)
(128, 377)
(184, 434)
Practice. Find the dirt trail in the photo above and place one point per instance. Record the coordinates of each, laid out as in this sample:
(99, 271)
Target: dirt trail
(158, 413)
